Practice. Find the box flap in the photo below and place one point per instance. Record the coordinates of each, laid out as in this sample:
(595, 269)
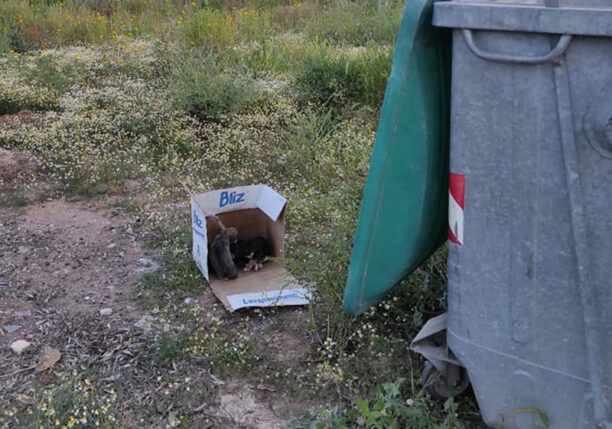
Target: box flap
(200, 241)
(271, 286)
(270, 202)
(227, 200)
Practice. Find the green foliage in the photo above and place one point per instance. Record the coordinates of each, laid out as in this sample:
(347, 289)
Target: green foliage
(335, 77)
(209, 29)
(181, 273)
(12, 198)
(253, 24)
(74, 401)
(170, 348)
(386, 410)
(347, 23)
(205, 89)
(311, 148)
(269, 56)
(207, 24)
(50, 73)
(16, 94)
(27, 25)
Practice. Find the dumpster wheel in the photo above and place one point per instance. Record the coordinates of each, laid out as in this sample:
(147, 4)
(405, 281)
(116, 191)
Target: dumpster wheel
(451, 383)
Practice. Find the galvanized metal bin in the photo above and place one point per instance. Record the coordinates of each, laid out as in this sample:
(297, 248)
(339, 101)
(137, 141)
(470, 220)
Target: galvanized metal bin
(530, 220)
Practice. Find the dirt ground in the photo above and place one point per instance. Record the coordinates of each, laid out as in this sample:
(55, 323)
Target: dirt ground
(64, 266)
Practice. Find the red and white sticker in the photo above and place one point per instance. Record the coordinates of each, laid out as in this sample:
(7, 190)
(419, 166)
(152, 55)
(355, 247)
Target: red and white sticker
(456, 204)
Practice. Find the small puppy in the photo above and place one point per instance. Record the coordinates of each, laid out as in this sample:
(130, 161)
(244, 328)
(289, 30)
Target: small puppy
(250, 254)
(220, 257)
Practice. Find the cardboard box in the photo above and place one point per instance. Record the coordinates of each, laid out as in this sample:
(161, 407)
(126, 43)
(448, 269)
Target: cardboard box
(255, 210)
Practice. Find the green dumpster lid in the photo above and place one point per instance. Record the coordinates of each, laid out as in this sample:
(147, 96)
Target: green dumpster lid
(404, 212)
(579, 17)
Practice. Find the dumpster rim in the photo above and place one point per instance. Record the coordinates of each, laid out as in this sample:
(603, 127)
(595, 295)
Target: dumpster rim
(524, 18)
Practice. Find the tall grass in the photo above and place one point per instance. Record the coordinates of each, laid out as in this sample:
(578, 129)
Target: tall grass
(28, 25)
(339, 51)
(349, 23)
(204, 88)
(337, 76)
(34, 24)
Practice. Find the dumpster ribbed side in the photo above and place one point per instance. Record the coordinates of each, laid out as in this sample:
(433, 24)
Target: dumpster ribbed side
(531, 284)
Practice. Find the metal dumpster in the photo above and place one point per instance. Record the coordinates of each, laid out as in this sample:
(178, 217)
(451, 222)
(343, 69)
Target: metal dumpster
(530, 208)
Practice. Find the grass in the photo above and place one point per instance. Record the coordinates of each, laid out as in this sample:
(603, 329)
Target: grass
(206, 90)
(12, 198)
(74, 401)
(212, 94)
(386, 410)
(51, 74)
(169, 349)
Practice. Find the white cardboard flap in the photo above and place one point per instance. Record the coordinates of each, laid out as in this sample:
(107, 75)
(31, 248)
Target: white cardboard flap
(271, 286)
(228, 200)
(200, 242)
(270, 202)
(272, 298)
(239, 198)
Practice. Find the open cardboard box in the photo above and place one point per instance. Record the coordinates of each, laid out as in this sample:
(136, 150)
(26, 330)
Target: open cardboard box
(255, 210)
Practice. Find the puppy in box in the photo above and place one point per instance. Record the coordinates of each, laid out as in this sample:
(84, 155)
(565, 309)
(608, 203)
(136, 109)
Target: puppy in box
(227, 252)
(250, 255)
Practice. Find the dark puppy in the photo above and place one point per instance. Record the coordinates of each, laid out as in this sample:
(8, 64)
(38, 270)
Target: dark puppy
(250, 254)
(220, 257)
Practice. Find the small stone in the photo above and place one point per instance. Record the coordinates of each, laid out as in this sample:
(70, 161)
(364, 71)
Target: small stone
(19, 346)
(11, 328)
(148, 265)
(48, 359)
(23, 250)
(111, 246)
(23, 313)
(106, 312)
(188, 301)
(145, 323)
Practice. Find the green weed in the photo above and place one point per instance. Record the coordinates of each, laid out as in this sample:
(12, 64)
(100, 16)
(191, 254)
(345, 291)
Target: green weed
(386, 410)
(346, 23)
(338, 77)
(49, 73)
(269, 56)
(209, 29)
(75, 402)
(180, 273)
(12, 198)
(205, 89)
(170, 348)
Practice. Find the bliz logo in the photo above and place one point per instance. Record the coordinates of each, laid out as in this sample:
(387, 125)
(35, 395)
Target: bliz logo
(227, 198)
(197, 220)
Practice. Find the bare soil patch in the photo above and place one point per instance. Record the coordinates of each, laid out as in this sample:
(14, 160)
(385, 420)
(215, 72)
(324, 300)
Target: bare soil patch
(24, 117)
(60, 264)
(15, 164)
(240, 405)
